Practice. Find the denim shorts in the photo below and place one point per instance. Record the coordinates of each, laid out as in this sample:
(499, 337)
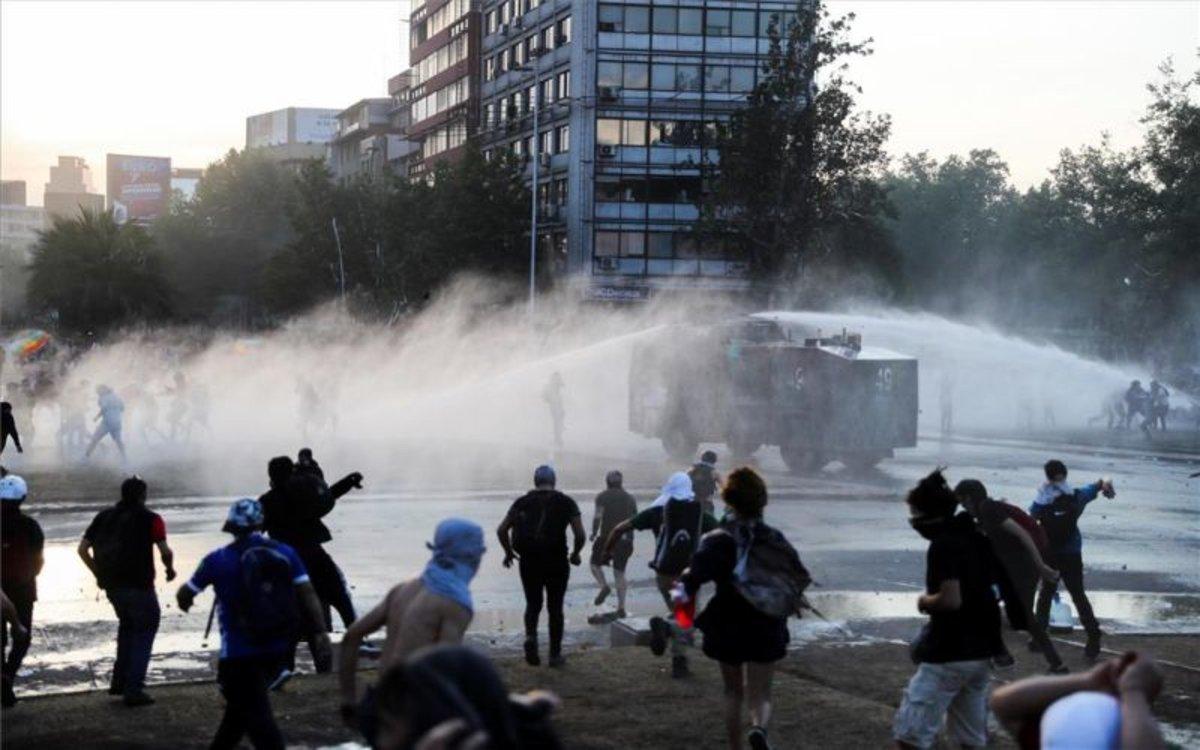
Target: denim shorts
(956, 692)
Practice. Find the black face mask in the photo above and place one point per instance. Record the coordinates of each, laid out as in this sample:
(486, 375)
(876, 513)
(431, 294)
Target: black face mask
(928, 527)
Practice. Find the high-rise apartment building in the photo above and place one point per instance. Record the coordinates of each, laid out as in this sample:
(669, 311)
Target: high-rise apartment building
(70, 189)
(627, 94)
(443, 99)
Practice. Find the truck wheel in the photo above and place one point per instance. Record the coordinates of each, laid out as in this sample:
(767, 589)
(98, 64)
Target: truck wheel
(802, 460)
(679, 445)
(741, 446)
(861, 462)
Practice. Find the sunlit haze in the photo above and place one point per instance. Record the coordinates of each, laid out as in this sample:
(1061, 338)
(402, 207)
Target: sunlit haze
(178, 79)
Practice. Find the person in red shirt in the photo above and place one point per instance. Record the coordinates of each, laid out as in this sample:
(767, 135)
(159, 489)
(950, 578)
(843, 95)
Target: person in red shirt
(118, 547)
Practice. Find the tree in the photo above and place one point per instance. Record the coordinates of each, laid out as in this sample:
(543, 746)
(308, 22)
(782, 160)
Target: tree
(798, 185)
(95, 274)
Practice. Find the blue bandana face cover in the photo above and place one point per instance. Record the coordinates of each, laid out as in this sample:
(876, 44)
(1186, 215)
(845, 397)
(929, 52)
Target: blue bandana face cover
(457, 550)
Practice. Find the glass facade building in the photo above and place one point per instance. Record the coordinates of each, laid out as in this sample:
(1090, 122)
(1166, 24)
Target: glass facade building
(628, 94)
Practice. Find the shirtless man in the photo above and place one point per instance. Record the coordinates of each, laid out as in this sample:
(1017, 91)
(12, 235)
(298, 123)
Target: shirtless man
(434, 608)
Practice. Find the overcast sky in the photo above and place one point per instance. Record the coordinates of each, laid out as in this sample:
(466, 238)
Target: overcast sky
(179, 78)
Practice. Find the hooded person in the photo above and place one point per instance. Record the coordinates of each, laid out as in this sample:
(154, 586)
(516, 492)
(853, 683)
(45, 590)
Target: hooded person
(678, 522)
(23, 541)
(433, 608)
(446, 695)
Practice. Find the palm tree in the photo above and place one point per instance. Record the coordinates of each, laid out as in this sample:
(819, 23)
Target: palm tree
(95, 273)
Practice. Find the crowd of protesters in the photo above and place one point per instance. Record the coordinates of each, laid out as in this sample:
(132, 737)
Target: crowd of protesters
(275, 585)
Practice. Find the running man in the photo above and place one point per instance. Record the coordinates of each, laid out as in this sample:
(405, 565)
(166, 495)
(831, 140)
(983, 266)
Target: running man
(23, 541)
(109, 416)
(8, 428)
(434, 608)
(613, 506)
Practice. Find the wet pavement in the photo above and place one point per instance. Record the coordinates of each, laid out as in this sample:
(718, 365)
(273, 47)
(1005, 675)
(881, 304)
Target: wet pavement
(1141, 550)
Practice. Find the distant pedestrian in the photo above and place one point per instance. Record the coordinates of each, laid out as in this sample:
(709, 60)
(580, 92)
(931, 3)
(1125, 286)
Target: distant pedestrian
(678, 522)
(293, 507)
(552, 394)
(8, 428)
(1159, 401)
(705, 480)
(263, 598)
(446, 697)
(760, 584)
(21, 399)
(534, 533)
(433, 608)
(118, 548)
(613, 506)
(1020, 546)
(111, 409)
(22, 541)
(954, 649)
(1107, 708)
(1137, 402)
(1057, 509)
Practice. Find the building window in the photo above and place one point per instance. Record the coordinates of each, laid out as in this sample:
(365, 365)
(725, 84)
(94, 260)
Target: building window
(666, 20)
(744, 23)
(607, 245)
(633, 132)
(718, 23)
(716, 79)
(741, 80)
(564, 85)
(687, 77)
(637, 76)
(547, 37)
(563, 29)
(608, 132)
(691, 21)
(637, 19)
(611, 18)
(547, 90)
(492, 21)
(608, 74)
(489, 69)
(562, 138)
(560, 192)
(547, 142)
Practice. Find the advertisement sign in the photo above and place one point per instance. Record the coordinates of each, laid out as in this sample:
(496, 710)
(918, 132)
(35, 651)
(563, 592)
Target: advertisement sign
(268, 129)
(315, 125)
(139, 187)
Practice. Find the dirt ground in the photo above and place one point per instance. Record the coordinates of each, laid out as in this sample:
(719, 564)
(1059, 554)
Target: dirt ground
(827, 695)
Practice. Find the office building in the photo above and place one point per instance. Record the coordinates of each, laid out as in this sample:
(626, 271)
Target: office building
(444, 55)
(404, 150)
(292, 135)
(184, 181)
(70, 189)
(12, 192)
(627, 95)
(364, 138)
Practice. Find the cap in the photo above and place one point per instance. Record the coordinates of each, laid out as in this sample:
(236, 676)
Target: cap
(13, 488)
(708, 457)
(245, 515)
(544, 475)
(1084, 719)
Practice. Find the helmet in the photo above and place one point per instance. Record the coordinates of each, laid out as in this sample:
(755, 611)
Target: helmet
(13, 489)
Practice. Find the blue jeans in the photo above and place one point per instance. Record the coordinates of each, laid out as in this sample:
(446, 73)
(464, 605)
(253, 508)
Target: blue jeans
(138, 614)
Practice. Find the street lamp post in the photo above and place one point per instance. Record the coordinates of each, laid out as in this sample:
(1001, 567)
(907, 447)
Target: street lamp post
(533, 210)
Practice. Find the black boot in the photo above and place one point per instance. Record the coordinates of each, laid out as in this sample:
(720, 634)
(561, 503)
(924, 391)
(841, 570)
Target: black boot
(531, 652)
(1092, 650)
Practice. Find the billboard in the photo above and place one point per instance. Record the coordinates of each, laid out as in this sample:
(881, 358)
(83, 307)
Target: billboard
(314, 125)
(267, 129)
(139, 187)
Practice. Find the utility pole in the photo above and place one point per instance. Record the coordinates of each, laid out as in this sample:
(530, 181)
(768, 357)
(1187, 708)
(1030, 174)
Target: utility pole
(341, 265)
(533, 211)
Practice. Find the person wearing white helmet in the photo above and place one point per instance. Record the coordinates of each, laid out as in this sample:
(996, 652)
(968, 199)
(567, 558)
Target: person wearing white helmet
(22, 541)
(1105, 708)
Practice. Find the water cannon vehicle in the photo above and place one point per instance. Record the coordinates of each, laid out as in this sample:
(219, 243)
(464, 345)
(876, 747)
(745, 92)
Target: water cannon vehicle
(760, 380)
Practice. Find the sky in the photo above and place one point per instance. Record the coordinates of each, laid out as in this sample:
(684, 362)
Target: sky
(176, 78)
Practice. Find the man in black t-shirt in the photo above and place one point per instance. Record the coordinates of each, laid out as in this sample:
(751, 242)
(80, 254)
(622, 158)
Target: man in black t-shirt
(118, 547)
(613, 506)
(23, 541)
(534, 531)
(955, 648)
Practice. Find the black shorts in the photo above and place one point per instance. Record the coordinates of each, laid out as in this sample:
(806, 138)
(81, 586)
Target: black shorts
(622, 551)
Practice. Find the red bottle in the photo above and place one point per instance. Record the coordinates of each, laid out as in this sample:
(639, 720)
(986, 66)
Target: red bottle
(685, 613)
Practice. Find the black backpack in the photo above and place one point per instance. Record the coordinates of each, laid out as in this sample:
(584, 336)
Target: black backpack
(678, 538)
(1060, 520)
(768, 572)
(529, 524)
(704, 483)
(270, 609)
(120, 539)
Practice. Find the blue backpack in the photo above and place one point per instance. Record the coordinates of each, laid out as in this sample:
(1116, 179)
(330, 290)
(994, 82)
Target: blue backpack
(270, 609)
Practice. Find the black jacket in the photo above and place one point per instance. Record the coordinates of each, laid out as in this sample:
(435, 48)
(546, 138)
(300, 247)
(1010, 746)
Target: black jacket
(292, 514)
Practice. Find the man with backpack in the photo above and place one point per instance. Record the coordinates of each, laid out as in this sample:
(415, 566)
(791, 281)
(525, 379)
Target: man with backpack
(264, 598)
(293, 508)
(1057, 509)
(22, 541)
(118, 547)
(534, 532)
(678, 522)
(1019, 545)
(705, 480)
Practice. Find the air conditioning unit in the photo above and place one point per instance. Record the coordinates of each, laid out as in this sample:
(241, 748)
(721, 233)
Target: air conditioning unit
(560, 40)
(544, 160)
(518, 22)
(608, 93)
(608, 152)
(535, 51)
(504, 29)
(607, 26)
(608, 264)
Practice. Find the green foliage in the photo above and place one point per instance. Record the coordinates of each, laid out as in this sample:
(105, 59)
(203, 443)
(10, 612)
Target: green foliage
(799, 180)
(94, 273)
